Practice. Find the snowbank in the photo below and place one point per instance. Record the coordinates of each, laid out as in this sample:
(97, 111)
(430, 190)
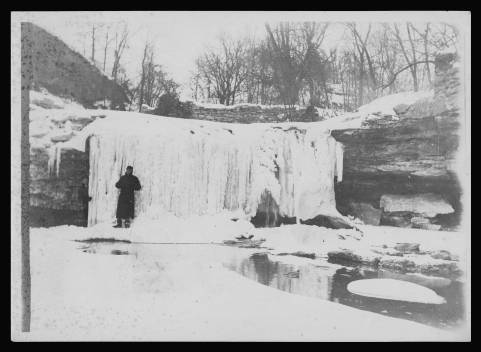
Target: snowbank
(43, 99)
(385, 105)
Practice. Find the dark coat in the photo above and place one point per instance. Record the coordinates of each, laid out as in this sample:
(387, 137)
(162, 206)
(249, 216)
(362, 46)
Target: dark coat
(126, 203)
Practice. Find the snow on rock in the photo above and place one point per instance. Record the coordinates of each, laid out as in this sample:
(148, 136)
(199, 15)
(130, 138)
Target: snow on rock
(326, 113)
(46, 100)
(307, 239)
(385, 105)
(54, 121)
(395, 290)
(428, 204)
(428, 241)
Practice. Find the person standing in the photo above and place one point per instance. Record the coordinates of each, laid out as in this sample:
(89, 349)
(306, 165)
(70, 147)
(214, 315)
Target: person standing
(127, 184)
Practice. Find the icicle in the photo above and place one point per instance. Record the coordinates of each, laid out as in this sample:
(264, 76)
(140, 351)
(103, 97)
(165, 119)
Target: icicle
(58, 159)
(54, 158)
(51, 159)
(339, 161)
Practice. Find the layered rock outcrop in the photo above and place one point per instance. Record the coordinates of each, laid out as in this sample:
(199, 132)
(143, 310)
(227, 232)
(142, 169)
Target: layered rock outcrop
(410, 152)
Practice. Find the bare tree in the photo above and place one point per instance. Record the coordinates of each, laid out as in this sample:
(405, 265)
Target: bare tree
(120, 44)
(425, 37)
(293, 48)
(148, 52)
(224, 70)
(410, 57)
(106, 47)
(367, 72)
(92, 55)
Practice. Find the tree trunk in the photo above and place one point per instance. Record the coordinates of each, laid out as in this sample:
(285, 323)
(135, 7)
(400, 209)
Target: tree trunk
(105, 49)
(426, 54)
(413, 68)
(93, 44)
(142, 80)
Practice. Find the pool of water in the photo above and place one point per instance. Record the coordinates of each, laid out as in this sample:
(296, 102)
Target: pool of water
(307, 277)
(326, 281)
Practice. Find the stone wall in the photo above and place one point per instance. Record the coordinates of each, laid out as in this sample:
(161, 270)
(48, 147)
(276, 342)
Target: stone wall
(247, 113)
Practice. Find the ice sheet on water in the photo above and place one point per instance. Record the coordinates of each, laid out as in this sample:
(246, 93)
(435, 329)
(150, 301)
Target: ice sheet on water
(395, 290)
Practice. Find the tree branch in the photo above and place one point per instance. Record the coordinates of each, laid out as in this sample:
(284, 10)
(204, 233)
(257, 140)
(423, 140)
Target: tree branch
(403, 69)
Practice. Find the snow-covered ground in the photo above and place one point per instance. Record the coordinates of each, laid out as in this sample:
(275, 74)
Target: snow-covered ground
(175, 292)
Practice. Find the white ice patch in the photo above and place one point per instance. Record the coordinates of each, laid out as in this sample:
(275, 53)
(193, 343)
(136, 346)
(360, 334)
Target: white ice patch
(395, 290)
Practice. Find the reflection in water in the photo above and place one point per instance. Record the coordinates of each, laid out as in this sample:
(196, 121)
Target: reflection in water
(275, 274)
(330, 282)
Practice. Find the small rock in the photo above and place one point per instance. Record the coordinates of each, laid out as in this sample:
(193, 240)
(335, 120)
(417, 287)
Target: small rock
(424, 223)
(444, 255)
(388, 219)
(366, 212)
(330, 222)
(418, 264)
(62, 137)
(392, 253)
(348, 256)
(447, 269)
(401, 108)
(428, 204)
(407, 247)
(393, 263)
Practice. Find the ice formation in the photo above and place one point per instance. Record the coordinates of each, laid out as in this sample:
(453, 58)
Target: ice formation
(199, 168)
(193, 167)
(395, 290)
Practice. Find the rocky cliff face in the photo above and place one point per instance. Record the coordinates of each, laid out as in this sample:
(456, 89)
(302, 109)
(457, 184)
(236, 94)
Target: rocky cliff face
(54, 196)
(64, 72)
(54, 199)
(410, 152)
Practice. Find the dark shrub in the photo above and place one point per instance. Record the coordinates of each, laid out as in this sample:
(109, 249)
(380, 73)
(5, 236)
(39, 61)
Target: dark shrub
(170, 105)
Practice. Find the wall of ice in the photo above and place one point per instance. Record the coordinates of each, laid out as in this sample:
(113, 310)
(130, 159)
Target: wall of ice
(193, 167)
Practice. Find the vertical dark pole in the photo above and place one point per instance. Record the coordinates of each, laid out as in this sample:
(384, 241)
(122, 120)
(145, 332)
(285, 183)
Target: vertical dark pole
(26, 63)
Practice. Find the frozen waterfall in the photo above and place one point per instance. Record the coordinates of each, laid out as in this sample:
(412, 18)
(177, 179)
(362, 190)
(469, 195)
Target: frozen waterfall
(193, 167)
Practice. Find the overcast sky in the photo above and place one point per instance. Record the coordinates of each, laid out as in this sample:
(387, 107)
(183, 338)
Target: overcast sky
(179, 37)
